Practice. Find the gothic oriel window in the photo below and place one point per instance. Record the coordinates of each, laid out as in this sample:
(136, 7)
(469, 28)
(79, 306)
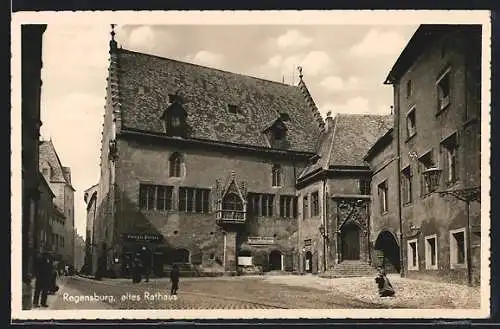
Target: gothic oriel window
(175, 119)
(175, 165)
(276, 175)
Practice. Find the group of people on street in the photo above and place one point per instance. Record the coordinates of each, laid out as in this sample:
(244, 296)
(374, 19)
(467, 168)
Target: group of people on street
(45, 280)
(141, 266)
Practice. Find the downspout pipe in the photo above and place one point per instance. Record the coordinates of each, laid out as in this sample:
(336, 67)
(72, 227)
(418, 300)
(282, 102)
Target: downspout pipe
(397, 119)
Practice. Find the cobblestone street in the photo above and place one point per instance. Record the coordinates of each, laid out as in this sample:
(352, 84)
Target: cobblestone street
(255, 292)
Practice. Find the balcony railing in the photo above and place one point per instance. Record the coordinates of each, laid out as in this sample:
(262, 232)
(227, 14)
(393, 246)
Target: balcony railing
(231, 216)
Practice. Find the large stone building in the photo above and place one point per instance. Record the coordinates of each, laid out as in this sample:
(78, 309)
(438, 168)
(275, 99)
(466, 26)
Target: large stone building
(223, 171)
(59, 179)
(43, 224)
(427, 170)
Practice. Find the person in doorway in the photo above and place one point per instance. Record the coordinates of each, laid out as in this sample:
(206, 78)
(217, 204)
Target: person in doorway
(385, 288)
(174, 278)
(43, 275)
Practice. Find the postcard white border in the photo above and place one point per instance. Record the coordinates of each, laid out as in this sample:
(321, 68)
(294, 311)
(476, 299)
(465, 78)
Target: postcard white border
(332, 17)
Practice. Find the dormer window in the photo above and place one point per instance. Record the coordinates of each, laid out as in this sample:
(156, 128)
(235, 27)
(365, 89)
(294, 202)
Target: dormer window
(276, 134)
(175, 120)
(233, 108)
(284, 116)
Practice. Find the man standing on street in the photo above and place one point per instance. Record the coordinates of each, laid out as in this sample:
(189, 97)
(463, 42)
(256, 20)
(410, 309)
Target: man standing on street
(146, 262)
(43, 275)
(174, 278)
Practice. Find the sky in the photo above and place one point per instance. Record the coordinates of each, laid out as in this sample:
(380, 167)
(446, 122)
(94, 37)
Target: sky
(343, 66)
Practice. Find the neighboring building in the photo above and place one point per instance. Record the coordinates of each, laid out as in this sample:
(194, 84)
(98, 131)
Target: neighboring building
(59, 233)
(31, 65)
(59, 179)
(200, 165)
(43, 227)
(90, 197)
(334, 196)
(437, 137)
(79, 252)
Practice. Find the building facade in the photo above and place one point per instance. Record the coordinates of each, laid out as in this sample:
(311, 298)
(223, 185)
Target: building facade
(43, 224)
(31, 65)
(59, 180)
(90, 198)
(200, 168)
(437, 141)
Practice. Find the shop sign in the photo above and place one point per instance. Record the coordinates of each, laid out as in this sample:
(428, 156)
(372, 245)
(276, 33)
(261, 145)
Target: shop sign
(134, 237)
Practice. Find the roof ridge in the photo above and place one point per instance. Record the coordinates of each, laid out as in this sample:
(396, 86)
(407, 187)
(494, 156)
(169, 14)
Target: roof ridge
(331, 144)
(312, 105)
(207, 67)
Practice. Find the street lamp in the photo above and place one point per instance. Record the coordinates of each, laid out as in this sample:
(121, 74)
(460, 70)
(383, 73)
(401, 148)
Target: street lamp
(467, 195)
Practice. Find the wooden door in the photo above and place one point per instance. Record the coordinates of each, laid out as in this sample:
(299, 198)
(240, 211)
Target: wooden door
(350, 242)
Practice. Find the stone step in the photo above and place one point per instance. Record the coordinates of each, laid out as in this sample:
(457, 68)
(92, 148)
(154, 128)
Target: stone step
(348, 269)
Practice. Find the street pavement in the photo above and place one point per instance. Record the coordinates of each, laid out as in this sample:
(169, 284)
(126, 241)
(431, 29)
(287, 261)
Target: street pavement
(195, 293)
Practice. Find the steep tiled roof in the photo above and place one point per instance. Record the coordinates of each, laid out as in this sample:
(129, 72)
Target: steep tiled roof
(145, 81)
(354, 135)
(48, 154)
(348, 140)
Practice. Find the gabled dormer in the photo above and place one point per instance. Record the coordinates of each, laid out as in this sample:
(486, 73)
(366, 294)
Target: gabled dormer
(276, 134)
(174, 117)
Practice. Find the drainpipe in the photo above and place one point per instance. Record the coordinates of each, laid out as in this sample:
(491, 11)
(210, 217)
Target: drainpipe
(398, 176)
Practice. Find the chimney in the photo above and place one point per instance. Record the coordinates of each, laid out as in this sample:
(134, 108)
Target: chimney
(329, 121)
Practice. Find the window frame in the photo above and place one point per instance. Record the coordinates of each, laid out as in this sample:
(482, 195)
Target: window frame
(276, 175)
(383, 202)
(409, 261)
(446, 73)
(428, 253)
(175, 165)
(407, 185)
(315, 208)
(450, 150)
(411, 112)
(454, 250)
(305, 207)
(424, 189)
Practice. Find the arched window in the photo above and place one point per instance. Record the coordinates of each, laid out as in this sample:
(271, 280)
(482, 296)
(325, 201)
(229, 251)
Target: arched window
(232, 202)
(175, 165)
(277, 175)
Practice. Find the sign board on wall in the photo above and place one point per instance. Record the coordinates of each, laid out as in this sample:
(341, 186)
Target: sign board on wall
(245, 261)
(143, 237)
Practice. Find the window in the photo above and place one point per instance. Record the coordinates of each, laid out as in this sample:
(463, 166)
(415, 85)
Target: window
(232, 108)
(284, 116)
(175, 165)
(449, 149)
(267, 204)
(232, 201)
(431, 252)
(254, 204)
(305, 207)
(457, 248)
(155, 197)
(276, 172)
(409, 90)
(443, 85)
(194, 200)
(383, 197)
(411, 123)
(413, 254)
(364, 186)
(426, 161)
(288, 206)
(45, 171)
(315, 204)
(406, 185)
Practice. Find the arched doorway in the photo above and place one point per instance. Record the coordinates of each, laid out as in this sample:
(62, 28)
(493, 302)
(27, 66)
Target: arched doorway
(389, 248)
(350, 242)
(181, 256)
(275, 260)
(308, 262)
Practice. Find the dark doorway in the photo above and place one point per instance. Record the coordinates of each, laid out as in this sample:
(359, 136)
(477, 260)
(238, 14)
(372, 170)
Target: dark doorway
(308, 262)
(389, 248)
(275, 260)
(350, 242)
(181, 256)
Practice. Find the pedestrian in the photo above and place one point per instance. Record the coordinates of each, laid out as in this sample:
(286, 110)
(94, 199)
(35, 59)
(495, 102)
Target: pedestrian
(146, 263)
(53, 281)
(174, 278)
(136, 269)
(43, 275)
(385, 288)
